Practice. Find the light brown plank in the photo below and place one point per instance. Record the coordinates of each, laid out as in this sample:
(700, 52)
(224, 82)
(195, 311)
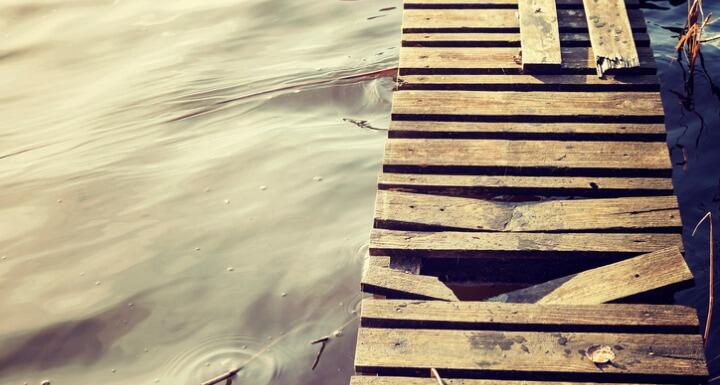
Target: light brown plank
(469, 184)
(499, 3)
(499, 60)
(529, 82)
(539, 34)
(611, 35)
(507, 103)
(518, 355)
(482, 245)
(390, 380)
(634, 213)
(538, 154)
(574, 39)
(388, 281)
(499, 20)
(642, 274)
(529, 127)
(529, 317)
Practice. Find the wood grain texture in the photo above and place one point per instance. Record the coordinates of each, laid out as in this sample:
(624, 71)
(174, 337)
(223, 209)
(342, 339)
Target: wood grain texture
(640, 214)
(565, 83)
(490, 4)
(549, 185)
(499, 39)
(495, 20)
(482, 245)
(518, 355)
(528, 317)
(508, 103)
(528, 127)
(619, 280)
(538, 154)
(539, 34)
(611, 35)
(392, 380)
(388, 281)
(498, 60)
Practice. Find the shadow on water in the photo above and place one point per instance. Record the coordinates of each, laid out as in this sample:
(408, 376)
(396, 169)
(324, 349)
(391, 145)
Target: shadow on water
(692, 107)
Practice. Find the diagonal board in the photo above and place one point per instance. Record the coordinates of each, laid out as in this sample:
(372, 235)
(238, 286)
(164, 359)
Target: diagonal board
(527, 355)
(394, 208)
(539, 34)
(611, 35)
(399, 284)
(623, 279)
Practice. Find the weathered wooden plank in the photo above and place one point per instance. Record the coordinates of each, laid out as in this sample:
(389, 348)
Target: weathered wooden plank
(498, 60)
(499, 39)
(528, 317)
(539, 34)
(611, 35)
(469, 185)
(524, 355)
(641, 214)
(486, 245)
(495, 20)
(393, 380)
(388, 281)
(491, 4)
(630, 129)
(509, 103)
(490, 82)
(642, 274)
(528, 154)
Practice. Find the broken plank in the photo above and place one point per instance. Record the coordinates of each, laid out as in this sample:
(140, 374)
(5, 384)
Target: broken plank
(611, 35)
(449, 244)
(494, 20)
(539, 34)
(642, 105)
(623, 318)
(499, 60)
(514, 355)
(631, 277)
(487, 154)
(389, 281)
(395, 209)
(470, 185)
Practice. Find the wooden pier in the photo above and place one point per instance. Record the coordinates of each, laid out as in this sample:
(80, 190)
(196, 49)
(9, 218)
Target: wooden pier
(526, 230)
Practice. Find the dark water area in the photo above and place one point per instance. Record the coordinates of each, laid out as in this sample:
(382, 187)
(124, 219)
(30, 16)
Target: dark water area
(188, 186)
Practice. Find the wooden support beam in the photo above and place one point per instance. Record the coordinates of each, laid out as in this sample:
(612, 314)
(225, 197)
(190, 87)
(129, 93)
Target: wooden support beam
(539, 34)
(611, 35)
(646, 273)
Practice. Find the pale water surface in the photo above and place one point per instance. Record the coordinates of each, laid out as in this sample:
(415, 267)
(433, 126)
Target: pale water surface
(180, 190)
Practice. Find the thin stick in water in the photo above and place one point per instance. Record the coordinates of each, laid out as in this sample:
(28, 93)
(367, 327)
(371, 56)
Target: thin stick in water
(435, 374)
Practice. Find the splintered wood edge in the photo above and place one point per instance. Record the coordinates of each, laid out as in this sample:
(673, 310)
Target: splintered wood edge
(378, 279)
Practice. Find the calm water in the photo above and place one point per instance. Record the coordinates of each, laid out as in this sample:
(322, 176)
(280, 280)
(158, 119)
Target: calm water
(180, 189)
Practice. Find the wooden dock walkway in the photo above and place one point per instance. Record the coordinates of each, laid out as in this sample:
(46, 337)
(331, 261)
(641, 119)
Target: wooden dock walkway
(526, 230)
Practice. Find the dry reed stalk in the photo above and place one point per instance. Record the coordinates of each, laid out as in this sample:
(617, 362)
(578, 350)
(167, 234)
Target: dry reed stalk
(690, 41)
(711, 295)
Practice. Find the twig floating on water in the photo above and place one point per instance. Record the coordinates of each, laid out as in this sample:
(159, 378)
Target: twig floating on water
(711, 283)
(319, 340)
(320, 352)
(227, 376)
